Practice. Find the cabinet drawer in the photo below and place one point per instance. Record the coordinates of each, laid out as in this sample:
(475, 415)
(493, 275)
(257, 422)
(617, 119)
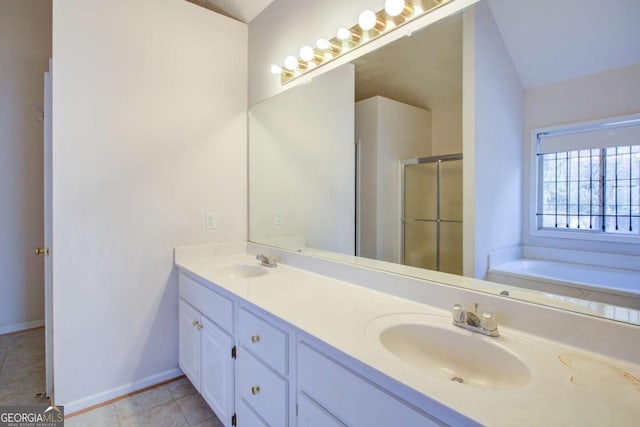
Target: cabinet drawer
(208, 302)
(262, 389)
(264, 340)
(246, 417)
(310, 414)
(351, 398)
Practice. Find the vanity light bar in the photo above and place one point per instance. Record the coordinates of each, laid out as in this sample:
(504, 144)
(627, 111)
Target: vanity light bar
(370, 26)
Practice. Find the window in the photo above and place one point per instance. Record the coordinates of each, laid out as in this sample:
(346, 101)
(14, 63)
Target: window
(589, 178)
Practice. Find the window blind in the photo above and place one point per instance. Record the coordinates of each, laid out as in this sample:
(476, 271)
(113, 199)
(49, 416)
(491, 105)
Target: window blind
(601, 137)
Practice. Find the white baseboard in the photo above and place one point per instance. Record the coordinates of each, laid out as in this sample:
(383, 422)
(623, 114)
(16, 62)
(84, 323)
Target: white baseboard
(21, 327)
(96, 399)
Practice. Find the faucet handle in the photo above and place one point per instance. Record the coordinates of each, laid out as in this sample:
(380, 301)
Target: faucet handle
(488, 322)
(458, 313)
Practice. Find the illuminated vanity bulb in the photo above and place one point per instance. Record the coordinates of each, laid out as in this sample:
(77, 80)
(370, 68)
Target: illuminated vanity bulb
(367, 20)
(290, 63)
(276, 69)
(394, 7)
(343, 34)
(397, 7)
(307, 53)
(323, 44)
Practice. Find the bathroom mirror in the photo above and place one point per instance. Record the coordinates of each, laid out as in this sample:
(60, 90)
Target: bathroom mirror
(365, 164)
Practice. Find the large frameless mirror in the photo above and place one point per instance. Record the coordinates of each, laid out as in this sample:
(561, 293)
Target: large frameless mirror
(367, 163)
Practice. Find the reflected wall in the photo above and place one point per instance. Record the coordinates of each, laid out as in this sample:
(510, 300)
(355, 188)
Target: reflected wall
(301, 159)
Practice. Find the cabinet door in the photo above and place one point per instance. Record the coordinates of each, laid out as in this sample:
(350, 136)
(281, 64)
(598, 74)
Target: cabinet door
(216, 377)
(189, 342)
(310, 414)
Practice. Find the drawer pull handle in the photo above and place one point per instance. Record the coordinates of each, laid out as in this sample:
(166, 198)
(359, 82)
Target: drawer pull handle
(255, 339)
(195, 323)
(255, 390)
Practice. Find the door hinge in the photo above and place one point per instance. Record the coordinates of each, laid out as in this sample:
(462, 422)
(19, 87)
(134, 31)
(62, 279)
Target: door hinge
(234, 419)
(234, 352)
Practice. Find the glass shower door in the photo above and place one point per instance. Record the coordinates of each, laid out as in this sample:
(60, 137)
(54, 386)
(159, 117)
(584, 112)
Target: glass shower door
(432, 213)
(420, 227)
(451, 216)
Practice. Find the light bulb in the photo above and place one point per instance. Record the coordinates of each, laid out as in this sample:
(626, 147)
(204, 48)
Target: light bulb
(276, 69)
(307, 53)
(323, 44)
(343, 34)
(394, 7)
(367, 20)
(290, 63)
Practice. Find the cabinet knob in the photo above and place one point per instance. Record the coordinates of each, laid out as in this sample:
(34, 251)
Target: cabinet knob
(255, 390)
(195, 323)
(255, 339)
(199, 326)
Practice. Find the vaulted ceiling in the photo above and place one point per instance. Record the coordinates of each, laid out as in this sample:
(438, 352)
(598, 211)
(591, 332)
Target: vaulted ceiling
(242, 10)
(555, 40)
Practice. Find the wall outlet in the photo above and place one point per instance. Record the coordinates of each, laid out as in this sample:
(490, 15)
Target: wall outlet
(278, 219)
(211, 221)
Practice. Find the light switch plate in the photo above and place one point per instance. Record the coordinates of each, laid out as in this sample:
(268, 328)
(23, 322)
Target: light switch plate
(278, 219)
(211, 221)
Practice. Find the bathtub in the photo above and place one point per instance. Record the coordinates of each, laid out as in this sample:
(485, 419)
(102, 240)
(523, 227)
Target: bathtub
(618, 287)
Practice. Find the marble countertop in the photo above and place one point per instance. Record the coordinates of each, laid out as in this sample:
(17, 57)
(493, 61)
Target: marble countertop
(568, 386)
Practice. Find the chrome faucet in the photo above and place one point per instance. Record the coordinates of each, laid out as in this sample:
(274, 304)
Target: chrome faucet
(266, 261)
(485, 324)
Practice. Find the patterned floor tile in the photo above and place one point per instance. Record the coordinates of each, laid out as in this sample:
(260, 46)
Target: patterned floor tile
(105, 416)
(195, 409)
(143, 402)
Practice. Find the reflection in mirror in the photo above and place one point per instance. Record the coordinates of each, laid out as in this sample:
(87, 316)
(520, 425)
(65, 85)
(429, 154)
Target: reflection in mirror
(394, 199)
(301, 161)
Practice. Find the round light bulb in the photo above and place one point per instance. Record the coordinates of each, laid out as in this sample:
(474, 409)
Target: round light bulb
(306, 53)
(290, 63)
(323, 44)
(276, 69)
(367, 20)
(343, 34)
(394, 7)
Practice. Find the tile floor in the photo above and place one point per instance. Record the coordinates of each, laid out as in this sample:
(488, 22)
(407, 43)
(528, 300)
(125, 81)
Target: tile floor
(22, 368)
(175, 404)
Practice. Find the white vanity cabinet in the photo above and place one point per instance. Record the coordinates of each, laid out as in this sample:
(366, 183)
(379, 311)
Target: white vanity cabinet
(263, 368)
(255, 370)
(205, 348)
(330, 394)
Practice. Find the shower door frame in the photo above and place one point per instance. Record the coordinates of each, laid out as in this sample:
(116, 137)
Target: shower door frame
(403, 219)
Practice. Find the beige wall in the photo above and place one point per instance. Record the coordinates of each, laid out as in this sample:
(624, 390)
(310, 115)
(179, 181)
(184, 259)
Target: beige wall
(25, 49)
(493, 143)
(387, 132)
(149, 133)
(301, 158)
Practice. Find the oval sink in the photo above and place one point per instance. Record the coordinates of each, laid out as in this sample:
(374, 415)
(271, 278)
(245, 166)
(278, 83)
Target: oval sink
(445, 351)
(242, 271)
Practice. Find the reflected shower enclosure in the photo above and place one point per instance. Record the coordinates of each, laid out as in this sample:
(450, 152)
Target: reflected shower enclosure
(432, 213)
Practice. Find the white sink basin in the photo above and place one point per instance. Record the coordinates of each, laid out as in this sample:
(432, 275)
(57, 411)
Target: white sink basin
(242, 271)
(432, 346)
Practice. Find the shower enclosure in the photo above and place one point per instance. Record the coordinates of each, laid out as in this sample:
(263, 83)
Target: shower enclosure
(432, 213)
